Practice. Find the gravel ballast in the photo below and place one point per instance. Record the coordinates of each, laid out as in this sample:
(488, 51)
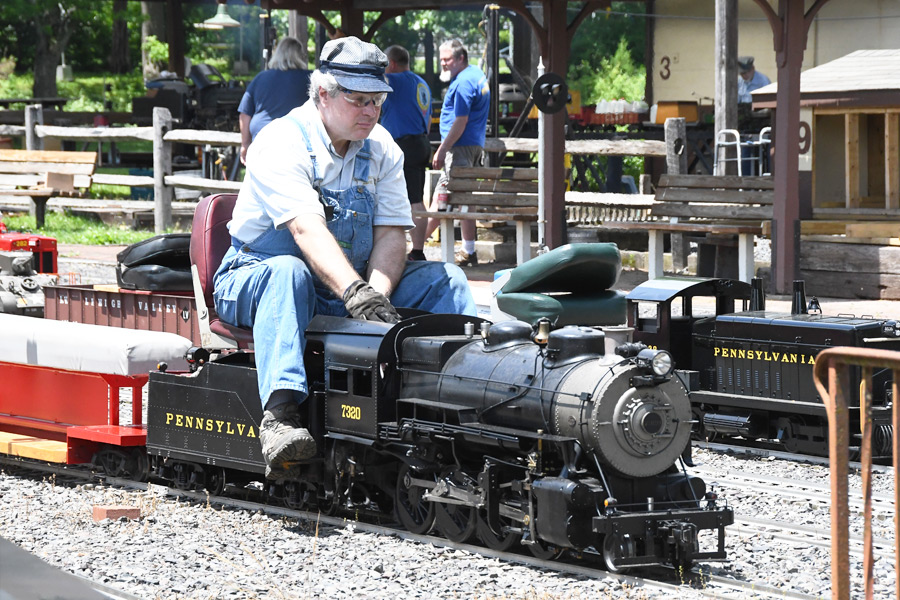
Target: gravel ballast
(182, 549)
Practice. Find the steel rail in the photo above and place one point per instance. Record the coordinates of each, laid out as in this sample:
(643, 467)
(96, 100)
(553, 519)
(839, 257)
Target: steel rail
(781, 454)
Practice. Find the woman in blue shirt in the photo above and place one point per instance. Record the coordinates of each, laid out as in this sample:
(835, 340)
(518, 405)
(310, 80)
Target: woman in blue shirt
(275, 92)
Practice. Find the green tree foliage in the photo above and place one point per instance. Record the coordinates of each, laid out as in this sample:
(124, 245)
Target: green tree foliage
(157, 52)
(614, 77)
(607, 55)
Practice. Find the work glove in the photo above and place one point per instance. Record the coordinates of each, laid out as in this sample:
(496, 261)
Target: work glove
(363, 302)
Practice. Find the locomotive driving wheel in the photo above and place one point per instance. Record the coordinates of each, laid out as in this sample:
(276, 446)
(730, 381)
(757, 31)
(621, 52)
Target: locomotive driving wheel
(298, 494)
(503, 541)
(414, 512)
(329, 503)
(510, 531)
(544, 551)
(456, 522)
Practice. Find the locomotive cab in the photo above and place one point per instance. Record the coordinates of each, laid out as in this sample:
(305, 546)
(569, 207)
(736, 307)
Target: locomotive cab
(664, 311)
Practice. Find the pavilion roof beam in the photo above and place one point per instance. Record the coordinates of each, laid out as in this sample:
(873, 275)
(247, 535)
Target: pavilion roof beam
(384, 17)
(539, 30)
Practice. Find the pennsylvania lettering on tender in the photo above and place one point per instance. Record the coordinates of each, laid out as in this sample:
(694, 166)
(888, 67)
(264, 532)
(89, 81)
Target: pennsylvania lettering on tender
(765, 355)
(216, 425)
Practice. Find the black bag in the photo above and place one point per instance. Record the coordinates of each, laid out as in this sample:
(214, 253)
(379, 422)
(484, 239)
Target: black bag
(155, 278)
(168, 250)
(158, 264)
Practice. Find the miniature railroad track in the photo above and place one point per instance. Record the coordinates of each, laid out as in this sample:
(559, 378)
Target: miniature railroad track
(791, 488)
(659, 579)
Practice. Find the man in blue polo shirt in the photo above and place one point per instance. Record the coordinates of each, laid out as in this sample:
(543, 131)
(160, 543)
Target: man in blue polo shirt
(406, 114)
(463, 125)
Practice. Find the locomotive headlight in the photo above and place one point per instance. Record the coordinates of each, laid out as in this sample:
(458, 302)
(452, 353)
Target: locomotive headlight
(658, 362)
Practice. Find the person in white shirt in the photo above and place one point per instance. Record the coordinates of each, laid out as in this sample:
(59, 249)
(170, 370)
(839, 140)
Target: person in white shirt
(319, 227)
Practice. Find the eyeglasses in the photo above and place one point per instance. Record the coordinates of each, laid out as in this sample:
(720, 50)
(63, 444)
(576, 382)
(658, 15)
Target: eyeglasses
(360, 100)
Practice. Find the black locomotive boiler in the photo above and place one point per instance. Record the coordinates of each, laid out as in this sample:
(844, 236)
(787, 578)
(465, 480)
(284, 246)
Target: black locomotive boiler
(552, 440)
(751, 369)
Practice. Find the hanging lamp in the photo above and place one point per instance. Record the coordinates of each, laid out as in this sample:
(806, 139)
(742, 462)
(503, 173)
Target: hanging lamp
(221, 19)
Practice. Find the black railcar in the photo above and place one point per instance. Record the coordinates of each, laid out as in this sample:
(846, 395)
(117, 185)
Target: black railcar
(751, 368)
(546, 439)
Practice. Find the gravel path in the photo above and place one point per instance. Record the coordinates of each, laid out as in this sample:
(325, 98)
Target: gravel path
(772, 554)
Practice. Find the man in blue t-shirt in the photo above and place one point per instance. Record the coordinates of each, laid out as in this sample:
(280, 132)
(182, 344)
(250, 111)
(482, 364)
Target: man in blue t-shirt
(406, 114)
(463, 125)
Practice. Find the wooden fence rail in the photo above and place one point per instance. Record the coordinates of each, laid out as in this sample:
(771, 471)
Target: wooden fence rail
(164, 135)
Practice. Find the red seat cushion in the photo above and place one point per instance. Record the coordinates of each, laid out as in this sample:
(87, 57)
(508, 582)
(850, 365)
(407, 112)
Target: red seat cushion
(210, 241)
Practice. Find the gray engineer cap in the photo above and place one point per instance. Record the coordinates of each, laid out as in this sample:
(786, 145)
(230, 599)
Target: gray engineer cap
(356, 65)
(745, 63)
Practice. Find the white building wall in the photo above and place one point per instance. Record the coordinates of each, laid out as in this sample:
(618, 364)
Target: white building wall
(684, 40)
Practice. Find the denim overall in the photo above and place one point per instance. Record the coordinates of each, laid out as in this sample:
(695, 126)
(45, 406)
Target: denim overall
(265, 284)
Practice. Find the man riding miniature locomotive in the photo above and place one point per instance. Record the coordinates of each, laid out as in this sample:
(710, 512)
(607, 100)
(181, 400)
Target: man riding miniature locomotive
(320, 228)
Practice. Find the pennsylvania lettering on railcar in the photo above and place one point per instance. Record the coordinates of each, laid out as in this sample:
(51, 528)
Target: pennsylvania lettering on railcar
(765, 355)
(205, 424)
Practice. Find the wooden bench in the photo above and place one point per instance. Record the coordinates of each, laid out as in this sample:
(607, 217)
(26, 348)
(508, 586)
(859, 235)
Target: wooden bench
(43, 174)
(711, 206)
(491, 194)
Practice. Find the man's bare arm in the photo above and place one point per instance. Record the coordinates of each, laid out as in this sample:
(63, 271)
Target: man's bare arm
(244, 121)
(456, 131)
(388, 258)
(322, 253)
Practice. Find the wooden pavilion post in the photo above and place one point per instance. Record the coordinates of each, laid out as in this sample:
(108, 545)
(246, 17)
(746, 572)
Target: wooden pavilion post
(790, 27)
(557, 58)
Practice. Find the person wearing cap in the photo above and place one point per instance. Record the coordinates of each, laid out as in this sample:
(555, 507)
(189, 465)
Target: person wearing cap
(319, 227)
(463, 125)
(750, 79)
(274, 92)
(406, 115)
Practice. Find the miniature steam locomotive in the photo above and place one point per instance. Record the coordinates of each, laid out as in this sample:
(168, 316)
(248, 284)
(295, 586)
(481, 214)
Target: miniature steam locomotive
(27, 265)
(553, 439)
(210, 103)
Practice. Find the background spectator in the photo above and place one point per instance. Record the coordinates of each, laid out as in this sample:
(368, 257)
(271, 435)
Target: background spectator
(463, 124)
(273, 93)
(406, 115)
(750, 80)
